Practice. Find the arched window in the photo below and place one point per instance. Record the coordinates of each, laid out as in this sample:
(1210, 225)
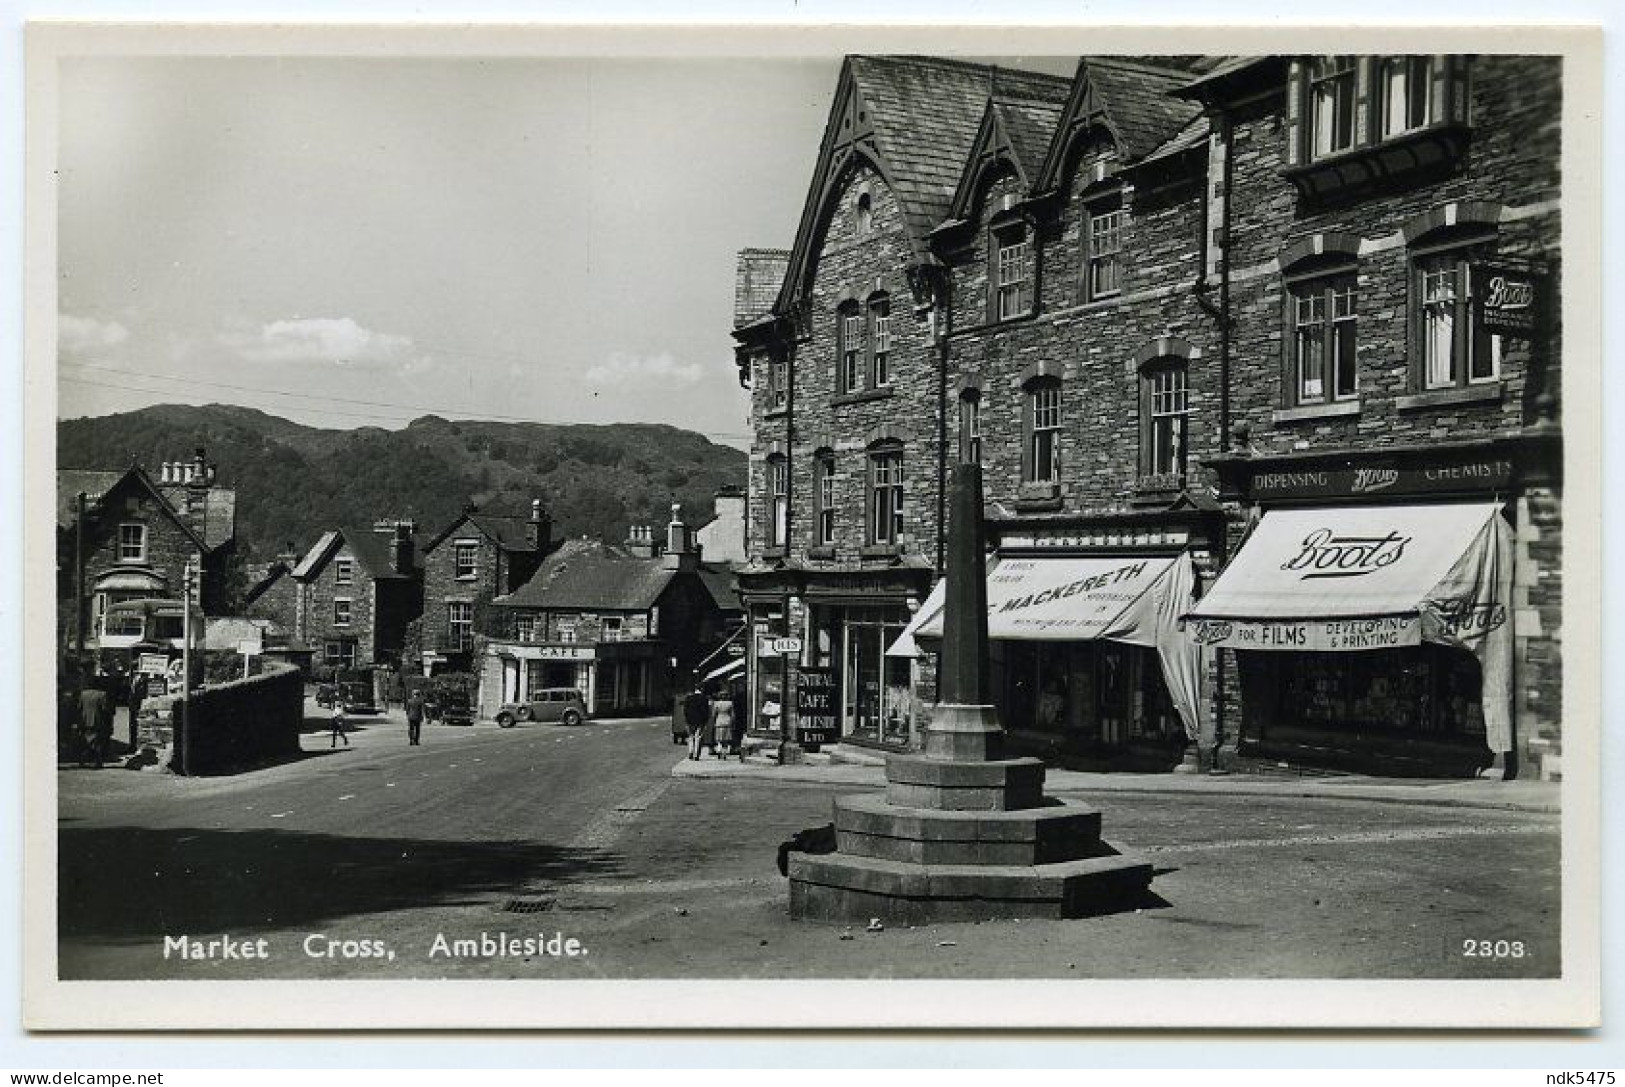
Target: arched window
(865, 217)
(778, 500)
(886, 493)
(1449, 246)
(1041, 459)
(1165, 415)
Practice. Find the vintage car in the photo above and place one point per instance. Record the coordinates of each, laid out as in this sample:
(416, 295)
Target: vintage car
(356, 697)
(562, 704)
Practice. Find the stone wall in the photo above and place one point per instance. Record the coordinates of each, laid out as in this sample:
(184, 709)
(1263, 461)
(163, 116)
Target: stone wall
(234, 726)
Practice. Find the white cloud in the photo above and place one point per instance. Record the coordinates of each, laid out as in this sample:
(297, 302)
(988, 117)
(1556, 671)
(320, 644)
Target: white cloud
(620, 368)
(337, 340)
(79, 335)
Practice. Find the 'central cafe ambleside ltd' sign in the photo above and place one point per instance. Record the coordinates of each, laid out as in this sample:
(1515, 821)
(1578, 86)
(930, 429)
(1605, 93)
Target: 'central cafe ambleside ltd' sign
(815, 706)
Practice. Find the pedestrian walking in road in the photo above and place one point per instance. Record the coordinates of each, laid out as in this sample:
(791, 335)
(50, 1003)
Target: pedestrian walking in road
(740, 718)
(721, 726)
(696, 714)
(414, 717)
(339, 730)
(96, 719)
(138, 695)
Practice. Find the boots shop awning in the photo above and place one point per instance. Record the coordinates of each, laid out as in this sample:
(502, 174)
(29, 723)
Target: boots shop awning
(1133, 599)
(1373, 577)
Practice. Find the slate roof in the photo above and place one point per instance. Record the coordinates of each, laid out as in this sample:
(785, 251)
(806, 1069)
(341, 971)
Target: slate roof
(1138, 100)
(1030, 125)
(719, 582)
(276, 573)
(594, 580)
(1218, 74)
(372, 550)
(1193, 134)
(926, 112)
(71, 481)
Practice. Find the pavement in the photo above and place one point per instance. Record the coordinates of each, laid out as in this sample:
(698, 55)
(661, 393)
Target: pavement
(1487, 793)
(380, 860)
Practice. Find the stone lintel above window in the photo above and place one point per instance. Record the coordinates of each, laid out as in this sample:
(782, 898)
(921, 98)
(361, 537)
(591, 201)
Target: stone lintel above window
(1486, 393)
(1039, 496)
(881, 550)
(1338, 409)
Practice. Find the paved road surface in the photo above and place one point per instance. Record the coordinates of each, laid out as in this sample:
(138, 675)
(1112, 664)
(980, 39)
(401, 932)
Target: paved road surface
(582, 833)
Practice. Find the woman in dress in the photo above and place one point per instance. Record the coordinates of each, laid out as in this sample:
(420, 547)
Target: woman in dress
(721, 725)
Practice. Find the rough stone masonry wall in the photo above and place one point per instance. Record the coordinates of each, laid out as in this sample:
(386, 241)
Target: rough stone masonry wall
(441, 585)
(237, 725)
(850, 266)
(322, 590)
(1513, 160)
(1094, 344)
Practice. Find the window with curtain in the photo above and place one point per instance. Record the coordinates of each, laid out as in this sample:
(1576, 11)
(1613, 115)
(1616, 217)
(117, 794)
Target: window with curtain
(1453, 350)
(1105, 246)
(1323, 340)
(1012, 282)
(1331, 104)
(1404, 101)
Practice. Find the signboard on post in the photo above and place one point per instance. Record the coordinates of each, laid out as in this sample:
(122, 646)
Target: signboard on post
(816, 722)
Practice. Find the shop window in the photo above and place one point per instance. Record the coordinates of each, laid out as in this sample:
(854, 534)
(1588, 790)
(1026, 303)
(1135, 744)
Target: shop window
(1042, 463)
(1165, 400)
(778, 500)
(1331, 104)
(1012, 273)
(132, 543)
(880, 341)
(824, 486)
(466, 558)
(1404, 95)
(343, 572)
(459, 626)
(970, 427)
(1451, 349)
(851, 347)
(886, 495)
(341, 611)
(1321, 353)
(1103, 243)
(877, 699)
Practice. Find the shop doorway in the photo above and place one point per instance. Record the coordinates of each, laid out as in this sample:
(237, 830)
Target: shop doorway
(877, 704)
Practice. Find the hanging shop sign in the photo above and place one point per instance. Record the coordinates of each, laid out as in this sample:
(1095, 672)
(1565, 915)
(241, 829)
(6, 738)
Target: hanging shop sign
(1382, 478)
(781, 647)
(816, 722)
(1507, 299)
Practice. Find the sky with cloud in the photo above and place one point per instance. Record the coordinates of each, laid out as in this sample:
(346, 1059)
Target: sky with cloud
(359, 242)
(351, 242)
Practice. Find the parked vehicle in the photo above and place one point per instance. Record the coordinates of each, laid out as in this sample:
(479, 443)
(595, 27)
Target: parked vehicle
(356, 697)
(450, 706)
(562, 704)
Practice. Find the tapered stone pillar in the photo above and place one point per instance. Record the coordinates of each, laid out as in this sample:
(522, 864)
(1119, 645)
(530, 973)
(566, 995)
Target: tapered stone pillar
(962, 832)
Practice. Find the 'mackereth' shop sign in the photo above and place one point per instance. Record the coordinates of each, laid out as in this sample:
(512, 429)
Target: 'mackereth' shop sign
(1379, 479)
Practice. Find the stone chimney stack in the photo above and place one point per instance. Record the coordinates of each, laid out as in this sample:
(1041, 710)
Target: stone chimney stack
(640, 541)
(681, 551)
(539, 530)
(401, 551)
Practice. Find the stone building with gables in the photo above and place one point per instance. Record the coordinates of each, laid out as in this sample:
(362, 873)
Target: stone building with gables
(1166, 303)
(358, 590)
(479, 556)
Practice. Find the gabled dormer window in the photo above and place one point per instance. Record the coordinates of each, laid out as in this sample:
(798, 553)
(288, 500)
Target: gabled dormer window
(132, 542)
(466, 558)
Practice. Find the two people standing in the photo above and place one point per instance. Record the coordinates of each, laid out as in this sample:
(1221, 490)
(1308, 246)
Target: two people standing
(716, 720)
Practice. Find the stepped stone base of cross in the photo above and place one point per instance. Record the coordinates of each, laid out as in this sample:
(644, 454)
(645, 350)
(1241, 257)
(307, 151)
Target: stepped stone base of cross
(963, 833)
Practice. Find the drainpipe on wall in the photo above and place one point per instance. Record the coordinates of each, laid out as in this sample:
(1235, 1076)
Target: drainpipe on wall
(944, 324)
